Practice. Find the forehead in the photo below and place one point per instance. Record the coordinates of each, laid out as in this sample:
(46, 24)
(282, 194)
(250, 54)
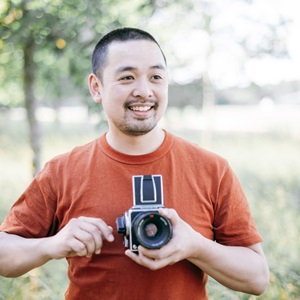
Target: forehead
(134, 53)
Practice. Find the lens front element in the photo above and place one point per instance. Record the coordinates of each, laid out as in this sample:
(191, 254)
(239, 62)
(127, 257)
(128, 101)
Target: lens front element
(152, 230)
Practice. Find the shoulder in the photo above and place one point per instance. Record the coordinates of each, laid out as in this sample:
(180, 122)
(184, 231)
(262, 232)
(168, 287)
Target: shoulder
(76, 153)
(73, 160)
(194, 152)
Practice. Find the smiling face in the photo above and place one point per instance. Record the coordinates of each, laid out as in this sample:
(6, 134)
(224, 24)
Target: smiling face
(134, 87)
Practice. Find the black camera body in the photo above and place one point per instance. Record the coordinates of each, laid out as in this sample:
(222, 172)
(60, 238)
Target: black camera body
(142, 224)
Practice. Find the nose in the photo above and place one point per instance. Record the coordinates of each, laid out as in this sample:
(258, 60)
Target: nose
(143, 89)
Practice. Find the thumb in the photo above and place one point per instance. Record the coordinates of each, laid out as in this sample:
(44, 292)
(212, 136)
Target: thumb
(171, 214)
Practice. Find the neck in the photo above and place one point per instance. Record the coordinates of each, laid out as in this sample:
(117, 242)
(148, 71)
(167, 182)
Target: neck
(136, 145)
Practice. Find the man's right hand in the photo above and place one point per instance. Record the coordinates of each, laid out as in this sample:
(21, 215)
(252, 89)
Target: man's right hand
(82, 236)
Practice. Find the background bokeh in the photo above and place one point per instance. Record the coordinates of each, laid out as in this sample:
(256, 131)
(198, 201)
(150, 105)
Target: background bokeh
(234, 89)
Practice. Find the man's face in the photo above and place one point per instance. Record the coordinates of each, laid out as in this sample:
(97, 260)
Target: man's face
(134, 87)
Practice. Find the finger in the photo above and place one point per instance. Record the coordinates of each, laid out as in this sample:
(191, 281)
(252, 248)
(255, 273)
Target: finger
(106, 231)
(139, 259)
(169, 213)
(87, 233)
(134, 256)
(89, 241)
(90, 235)
(78, 248)
(145, 261)
(159, 254)
(150, 253)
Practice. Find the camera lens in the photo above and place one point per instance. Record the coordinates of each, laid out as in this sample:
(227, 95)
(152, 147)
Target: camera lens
(152, 230)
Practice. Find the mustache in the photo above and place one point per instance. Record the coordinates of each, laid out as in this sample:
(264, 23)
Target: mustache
(150, 102)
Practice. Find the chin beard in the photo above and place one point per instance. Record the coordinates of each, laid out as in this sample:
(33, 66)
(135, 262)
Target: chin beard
(137, 130)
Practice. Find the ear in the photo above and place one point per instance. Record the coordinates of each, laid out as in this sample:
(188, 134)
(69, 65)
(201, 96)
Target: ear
(95, 88)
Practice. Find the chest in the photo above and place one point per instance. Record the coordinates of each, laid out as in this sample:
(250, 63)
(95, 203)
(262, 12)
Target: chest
(107, 192)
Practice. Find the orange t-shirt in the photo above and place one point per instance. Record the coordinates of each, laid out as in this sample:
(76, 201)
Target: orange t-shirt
(96, 181)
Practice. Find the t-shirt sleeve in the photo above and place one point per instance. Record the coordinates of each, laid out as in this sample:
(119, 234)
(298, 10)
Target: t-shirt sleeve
(33, 214)
(233, 222)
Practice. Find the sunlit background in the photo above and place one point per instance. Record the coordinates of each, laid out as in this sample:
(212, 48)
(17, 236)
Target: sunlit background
(234, 89)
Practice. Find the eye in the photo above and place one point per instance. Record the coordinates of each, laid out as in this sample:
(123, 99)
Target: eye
(125, 78)
(156, 77)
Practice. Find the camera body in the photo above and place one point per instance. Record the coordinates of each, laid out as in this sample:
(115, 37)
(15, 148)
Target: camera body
(142, 224)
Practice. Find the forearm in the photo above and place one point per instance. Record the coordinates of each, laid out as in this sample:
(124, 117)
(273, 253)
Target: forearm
(82, 236)
(239, 268)
(19, 255)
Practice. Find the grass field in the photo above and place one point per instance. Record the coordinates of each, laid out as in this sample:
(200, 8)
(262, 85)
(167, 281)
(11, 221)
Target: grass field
(267, 163)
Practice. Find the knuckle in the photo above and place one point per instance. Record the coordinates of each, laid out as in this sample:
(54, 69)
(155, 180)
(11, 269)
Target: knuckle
(73, 221)
(89, 239)
(153, 267)
(82, 253)
(158, 256)
(80, 249)
(95, 231)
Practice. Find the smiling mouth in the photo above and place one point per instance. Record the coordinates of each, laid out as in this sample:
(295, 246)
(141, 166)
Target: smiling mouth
(140, 108)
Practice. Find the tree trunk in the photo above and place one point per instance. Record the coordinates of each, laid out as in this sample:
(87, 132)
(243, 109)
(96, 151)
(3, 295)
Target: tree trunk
(31, 105)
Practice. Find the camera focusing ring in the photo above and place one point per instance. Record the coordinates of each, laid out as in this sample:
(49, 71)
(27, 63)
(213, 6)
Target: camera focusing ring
(151, 230)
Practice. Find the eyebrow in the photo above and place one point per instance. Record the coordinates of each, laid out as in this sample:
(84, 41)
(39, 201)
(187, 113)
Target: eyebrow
(129, 68)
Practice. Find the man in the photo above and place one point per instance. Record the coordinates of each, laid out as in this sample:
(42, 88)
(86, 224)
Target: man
(70, 208)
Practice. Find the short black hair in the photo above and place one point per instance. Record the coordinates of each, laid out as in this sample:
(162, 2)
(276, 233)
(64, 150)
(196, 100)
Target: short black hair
(118, 35)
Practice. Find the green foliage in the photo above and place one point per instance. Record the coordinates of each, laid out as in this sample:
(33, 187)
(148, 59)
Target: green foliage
(62, 34)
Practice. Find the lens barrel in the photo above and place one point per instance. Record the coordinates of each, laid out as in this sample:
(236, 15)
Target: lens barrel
(151, 230)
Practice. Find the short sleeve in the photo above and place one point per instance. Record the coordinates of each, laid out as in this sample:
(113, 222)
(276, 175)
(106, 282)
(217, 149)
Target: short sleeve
(233, 223)
(33, 214)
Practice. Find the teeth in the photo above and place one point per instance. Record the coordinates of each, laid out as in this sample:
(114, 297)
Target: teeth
(140, 108)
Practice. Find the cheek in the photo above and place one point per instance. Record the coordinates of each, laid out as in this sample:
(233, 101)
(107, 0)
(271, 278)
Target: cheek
(111, 98)
(113, 107)
(163, 96)
(163, 92)
(110, 107)
(119, 94)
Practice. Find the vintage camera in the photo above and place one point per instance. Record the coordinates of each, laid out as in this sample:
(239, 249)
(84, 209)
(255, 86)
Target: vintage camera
(142, 224)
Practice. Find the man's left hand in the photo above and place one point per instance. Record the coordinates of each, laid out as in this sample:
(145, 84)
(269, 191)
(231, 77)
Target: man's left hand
(178, 248)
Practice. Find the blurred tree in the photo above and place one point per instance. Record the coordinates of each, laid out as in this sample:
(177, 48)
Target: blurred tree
(45, 46)
(216, 42)
(36, 40)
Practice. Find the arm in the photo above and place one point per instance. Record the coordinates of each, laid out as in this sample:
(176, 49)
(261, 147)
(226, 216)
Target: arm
(240, 268)
(19, 255)
(80, 237)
